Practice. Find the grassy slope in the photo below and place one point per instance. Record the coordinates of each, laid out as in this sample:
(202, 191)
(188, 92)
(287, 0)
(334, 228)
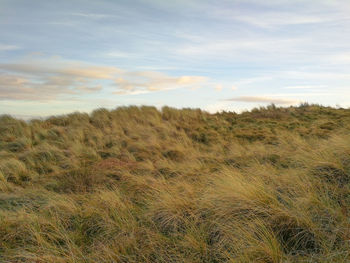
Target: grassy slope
(139, 185)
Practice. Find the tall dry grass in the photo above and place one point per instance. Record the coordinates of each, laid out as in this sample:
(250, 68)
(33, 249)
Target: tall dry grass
(140, 185)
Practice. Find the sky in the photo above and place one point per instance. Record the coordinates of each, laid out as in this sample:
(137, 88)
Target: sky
(58, 57)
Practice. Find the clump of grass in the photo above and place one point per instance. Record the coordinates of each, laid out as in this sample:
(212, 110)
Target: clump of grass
(12, 170)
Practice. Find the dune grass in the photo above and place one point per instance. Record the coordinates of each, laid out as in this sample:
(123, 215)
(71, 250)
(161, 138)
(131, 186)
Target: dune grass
(136, 184)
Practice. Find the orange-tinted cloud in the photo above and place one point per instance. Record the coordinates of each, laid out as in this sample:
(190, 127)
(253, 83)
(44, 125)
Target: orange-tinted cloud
(148, 81)
(49, 78)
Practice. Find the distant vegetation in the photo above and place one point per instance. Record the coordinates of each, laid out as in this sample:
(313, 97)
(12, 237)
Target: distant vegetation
(140, 185)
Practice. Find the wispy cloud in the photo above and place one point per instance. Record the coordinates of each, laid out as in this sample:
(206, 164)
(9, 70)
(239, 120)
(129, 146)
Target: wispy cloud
(305, 87)
(218, 87)
(269, 20)
(58, 66)
(279, 13)
(251, 80)
(91, 15)
(49, 78)
(340, 58)
(89, 89)
(253, 99)
(320, 75)
(16, 87)
(120, 54)
(209, 46)
(148, 81)
(282, 34)
(8, 47)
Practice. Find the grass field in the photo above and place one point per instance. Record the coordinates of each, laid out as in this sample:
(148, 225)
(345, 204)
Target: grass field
(140, 185)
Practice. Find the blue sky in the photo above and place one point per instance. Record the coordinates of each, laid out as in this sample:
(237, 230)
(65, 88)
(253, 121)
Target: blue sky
(73, 55)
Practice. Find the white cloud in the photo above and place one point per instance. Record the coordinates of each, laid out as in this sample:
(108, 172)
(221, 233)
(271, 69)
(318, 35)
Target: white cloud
(218, 46)
(91, 15)
(218, 87)
(258, 99)
(120, 54)
(257, 79)
(302, 94)
(8, 47)
(308, 87)
(342, 58)
(90, 89)
(217, 107)
(279, 13)
(320, 75)
(269, 20)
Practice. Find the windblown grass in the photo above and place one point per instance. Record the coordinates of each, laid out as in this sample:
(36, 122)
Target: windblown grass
(140, 185)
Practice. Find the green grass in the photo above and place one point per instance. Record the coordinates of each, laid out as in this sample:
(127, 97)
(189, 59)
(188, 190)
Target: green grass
(140, 185)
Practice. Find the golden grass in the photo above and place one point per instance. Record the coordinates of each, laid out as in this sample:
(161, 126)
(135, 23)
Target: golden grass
(140, 185)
